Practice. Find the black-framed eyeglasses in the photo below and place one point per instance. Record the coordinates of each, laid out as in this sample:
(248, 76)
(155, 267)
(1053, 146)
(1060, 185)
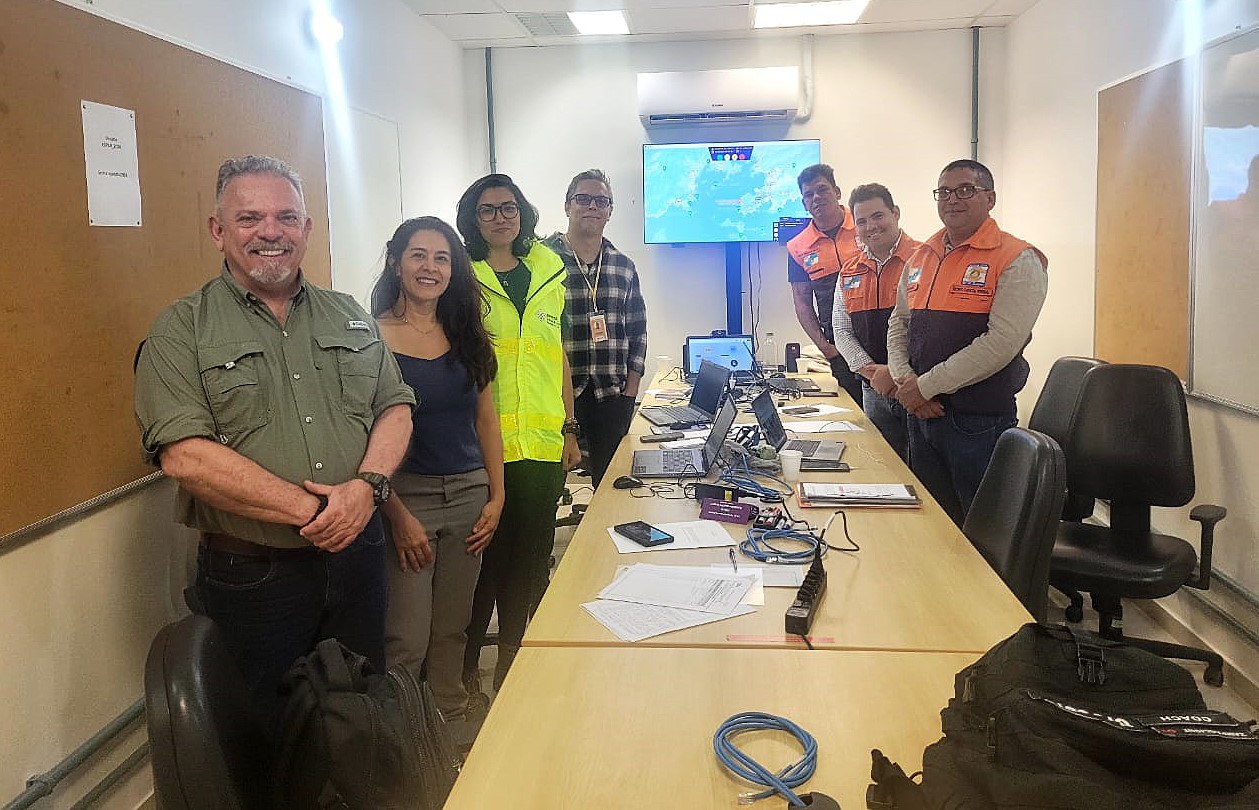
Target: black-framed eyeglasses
(962, 192)
(584, 200)
(509, 210)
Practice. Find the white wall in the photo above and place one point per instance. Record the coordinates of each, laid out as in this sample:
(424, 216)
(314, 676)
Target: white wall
(81, 603)
(1061, 53)
(891, 108)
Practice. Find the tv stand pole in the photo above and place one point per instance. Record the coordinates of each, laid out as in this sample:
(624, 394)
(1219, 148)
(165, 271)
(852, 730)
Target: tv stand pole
(734, 289)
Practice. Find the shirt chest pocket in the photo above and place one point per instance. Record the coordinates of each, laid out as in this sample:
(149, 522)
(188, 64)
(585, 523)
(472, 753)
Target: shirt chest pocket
(357, 360)
(234, 377)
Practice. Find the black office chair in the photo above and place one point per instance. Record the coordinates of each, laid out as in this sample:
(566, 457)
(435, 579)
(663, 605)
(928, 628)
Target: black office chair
(1014, 517)
(1052, 416)
(1129, 444)
(209, 750)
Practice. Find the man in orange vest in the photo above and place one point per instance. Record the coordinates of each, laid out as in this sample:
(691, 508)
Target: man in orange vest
(864, 302)
(965, 308)
(814, 257)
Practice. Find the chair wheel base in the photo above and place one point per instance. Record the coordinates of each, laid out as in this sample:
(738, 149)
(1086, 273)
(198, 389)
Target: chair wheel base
(1214, 675)
(1075, 614)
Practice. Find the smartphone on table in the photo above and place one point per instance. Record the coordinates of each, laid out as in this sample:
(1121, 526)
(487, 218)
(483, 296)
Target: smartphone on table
(644, 534)
(801, 410)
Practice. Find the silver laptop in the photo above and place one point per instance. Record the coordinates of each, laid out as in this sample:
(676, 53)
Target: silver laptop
(710, 384)
(814, 451)
(692, 461)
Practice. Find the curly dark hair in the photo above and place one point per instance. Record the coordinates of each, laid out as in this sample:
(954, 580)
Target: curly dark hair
(466, 219)
(461, 308)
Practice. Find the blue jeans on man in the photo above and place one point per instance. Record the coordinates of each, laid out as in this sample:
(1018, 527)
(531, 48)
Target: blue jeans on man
(275, 607)
(950, 454)
(889, 416)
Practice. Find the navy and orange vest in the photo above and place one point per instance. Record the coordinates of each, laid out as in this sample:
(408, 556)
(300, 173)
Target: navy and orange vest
(818, 254)
(870, 295)
(950, 296)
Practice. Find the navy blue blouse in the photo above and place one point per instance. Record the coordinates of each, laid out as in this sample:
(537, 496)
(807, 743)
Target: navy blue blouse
(443, 439)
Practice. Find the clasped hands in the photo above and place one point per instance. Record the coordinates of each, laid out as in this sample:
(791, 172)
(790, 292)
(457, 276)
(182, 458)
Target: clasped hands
(905, 391)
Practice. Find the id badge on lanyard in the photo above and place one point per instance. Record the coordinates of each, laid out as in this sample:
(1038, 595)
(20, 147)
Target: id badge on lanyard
(598, 327)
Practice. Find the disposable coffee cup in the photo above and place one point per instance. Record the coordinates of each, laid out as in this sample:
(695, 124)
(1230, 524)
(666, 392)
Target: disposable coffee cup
(790, 459)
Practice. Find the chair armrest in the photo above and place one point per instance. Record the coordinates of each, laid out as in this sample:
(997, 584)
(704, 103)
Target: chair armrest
(1207, 514)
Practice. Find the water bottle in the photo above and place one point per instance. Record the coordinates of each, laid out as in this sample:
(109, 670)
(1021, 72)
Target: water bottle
(769, 352)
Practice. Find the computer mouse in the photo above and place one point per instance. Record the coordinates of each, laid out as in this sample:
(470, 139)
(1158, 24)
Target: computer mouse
(627, 482)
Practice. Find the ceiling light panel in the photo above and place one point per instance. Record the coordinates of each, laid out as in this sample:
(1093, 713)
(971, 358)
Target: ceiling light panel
(801, 15)
(599, 23)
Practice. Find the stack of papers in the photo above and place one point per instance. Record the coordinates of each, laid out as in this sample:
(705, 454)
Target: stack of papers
(648, 600)
(835, 426)
(686, 534)
(815, 494)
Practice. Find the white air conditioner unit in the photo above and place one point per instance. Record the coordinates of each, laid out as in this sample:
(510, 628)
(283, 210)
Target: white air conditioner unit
(739, 96)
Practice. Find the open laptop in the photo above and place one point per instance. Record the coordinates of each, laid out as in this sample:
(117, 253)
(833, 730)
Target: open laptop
(710, 384)
(667, 462)
(731, 351)
(817, 455)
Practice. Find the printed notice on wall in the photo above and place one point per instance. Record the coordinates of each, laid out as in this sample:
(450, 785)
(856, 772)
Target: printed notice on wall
(113, 165)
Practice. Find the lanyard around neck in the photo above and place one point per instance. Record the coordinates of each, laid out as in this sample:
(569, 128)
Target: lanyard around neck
(597, 264)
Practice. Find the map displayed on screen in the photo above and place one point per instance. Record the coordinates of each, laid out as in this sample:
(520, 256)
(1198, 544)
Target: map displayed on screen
(729, 192)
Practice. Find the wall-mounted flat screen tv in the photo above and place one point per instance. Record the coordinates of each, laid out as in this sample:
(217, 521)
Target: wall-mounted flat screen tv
(723, 192)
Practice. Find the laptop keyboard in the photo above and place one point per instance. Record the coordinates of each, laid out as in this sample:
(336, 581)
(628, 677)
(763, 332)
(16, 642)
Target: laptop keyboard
(679, 413)
(676, 461)
(807, 447)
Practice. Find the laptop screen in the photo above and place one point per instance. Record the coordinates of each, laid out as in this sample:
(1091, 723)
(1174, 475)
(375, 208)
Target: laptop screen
(709, 386)
(769, 420)
(717, 436)
(732, 351)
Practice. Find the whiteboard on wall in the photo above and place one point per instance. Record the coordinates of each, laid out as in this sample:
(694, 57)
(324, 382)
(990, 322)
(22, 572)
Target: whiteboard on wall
(1225, 289)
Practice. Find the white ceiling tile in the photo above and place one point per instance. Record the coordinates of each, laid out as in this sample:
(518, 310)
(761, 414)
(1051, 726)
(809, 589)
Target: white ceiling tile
(913, 10)
(477, 26)
(665, 20)
(451, 6)
(1008, 7)
(552, 6)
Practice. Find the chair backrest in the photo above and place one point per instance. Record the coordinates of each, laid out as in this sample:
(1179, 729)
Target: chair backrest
(1129, 441)
(1052, 416)
(1014, 517)
(208, 747)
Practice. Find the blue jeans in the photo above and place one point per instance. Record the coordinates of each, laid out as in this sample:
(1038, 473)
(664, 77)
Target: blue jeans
(889, 416)
(950, 455)
(275, 608)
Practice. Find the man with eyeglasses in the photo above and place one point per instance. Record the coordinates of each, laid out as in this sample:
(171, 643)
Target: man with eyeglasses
(965, 308)
(605, 316)
(814, 257)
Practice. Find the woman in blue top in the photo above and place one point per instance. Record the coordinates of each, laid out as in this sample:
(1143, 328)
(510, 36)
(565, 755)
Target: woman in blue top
(448, 493)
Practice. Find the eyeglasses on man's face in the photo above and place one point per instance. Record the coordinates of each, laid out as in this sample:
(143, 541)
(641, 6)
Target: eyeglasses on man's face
(509, 210)
(962, 192)
(584, 200)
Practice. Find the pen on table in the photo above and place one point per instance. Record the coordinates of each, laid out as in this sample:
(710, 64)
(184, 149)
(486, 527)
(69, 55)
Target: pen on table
(733, 563)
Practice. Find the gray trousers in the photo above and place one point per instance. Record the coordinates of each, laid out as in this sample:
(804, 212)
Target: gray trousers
(429, 610)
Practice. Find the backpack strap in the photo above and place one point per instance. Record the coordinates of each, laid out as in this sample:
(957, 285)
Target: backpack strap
(1090, 656)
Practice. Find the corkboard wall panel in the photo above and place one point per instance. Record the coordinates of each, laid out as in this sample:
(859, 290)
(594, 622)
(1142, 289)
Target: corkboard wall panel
(78, 299)
(1144, 157)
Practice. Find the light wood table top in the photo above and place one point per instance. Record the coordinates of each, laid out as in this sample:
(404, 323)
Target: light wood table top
(632, 728)
(916, 584)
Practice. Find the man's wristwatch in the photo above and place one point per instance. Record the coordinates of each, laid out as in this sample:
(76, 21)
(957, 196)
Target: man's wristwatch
(381, 488)
(571, 426)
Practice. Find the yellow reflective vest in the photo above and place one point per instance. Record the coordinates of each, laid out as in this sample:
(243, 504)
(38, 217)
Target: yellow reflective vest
(529, 389)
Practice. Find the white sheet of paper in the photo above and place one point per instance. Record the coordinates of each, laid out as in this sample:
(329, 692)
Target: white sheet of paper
(832, 426)
(686, 534)
(772, 576)
(689, 441)
(113, 165)
(822, 409)
(755, 595)
(822, 490)
(630, 621)
(685, 587)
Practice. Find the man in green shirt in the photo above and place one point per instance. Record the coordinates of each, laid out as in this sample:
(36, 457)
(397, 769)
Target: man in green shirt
(281, 414)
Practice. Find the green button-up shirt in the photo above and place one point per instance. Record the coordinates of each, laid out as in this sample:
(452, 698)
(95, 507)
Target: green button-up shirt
(298, 399)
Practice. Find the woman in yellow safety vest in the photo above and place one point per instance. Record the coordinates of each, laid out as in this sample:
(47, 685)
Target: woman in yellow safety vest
(523, 283)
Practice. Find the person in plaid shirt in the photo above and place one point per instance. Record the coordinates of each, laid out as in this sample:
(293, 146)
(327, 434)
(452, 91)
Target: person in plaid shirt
(605, 319)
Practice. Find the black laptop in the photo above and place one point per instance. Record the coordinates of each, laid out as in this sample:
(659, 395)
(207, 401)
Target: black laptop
(710, 384)
(817, 454)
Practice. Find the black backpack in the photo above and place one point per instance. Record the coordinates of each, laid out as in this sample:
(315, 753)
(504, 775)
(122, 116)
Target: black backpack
(1055, 717)
(354, 740)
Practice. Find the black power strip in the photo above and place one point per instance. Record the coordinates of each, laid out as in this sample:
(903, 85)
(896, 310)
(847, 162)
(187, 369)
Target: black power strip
(800, 614)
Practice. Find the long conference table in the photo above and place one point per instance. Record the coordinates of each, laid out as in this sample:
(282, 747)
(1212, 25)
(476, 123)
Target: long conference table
(588, 720)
